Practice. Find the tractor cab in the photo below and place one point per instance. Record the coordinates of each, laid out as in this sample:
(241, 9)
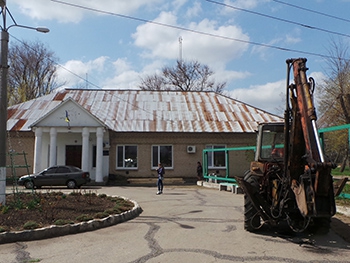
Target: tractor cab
(270, 142)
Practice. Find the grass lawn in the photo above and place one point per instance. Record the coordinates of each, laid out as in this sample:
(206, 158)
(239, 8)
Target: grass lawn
(336, 172)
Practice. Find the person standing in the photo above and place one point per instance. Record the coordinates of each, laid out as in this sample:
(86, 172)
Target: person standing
(199, 171)
(161, 172)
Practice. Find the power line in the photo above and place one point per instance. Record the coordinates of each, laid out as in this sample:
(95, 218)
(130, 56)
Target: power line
(57, 64)
(280, 19)
(195, 31)
(80, 77)
(313, 11)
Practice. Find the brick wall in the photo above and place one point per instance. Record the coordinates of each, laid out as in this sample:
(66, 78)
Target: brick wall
(19, 142)
(184, 163)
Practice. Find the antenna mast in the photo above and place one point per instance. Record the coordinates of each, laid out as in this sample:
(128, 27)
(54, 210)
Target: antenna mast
(180, 49)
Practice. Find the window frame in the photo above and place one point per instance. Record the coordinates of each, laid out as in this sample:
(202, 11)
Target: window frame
(159, 157)
(124, 167)
(211, 156)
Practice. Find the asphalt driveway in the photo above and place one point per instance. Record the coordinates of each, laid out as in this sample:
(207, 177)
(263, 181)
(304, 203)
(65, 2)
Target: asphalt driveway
(184, 224)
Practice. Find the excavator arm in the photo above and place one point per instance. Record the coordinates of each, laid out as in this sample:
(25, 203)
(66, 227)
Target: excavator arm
(309, 171)
(302, 92)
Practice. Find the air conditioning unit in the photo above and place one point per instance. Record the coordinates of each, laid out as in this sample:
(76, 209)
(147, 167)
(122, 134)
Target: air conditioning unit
(191, 149)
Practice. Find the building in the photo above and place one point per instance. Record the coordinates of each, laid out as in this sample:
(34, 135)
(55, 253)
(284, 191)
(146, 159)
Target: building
(127, 133)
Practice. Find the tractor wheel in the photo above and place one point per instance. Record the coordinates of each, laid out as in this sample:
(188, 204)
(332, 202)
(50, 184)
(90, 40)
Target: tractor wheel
(321, 225)
(252, 219)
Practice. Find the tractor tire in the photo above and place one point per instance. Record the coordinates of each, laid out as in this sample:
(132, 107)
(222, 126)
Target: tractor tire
(252, 219)
(320, 226)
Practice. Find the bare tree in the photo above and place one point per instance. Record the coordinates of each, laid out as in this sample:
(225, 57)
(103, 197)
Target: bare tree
(153, 82)
(32, 71)
(334, 102)
(335, 91)
(185, 76)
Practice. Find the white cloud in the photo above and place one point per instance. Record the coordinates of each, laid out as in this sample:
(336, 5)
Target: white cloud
(121, 65)
(124, 75)
(319, 78)
(162, 42)
(75, 72)
(194, 10)
(177, 4)
(47, 10)
(292, 40)
(285, 40)
(293, 37)
(128, 79)
(214, 50)
(123, 78)
(154, 66)
(268, 97)
(50, 10)
(229, 75)
(159, 39)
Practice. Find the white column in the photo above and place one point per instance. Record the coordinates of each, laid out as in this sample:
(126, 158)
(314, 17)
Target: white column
(37, 150)
(53, 145)
(99, 154)
(85, 150)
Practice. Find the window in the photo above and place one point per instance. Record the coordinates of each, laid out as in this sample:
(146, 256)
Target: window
(272, 142)
(50, 170)
(62, 169)
(126, 157)
(162, 154)
(216, 159)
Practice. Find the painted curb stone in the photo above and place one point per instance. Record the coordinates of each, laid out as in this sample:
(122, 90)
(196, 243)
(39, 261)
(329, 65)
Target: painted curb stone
(55, 231)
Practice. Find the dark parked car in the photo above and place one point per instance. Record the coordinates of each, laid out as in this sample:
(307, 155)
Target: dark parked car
(58, 175)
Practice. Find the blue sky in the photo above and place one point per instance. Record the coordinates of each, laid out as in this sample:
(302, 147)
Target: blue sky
(113, 51)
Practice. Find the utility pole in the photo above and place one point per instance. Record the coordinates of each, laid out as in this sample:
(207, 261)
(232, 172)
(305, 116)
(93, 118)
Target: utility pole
(4, 42)
(3, 103)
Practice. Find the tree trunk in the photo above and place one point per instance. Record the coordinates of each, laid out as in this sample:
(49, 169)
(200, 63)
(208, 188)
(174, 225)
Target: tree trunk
(342, 168)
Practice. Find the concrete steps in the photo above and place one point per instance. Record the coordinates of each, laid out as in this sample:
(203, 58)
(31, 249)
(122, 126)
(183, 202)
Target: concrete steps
(153, 181)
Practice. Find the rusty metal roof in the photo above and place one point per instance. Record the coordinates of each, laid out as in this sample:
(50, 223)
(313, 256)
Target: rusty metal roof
(148, 111)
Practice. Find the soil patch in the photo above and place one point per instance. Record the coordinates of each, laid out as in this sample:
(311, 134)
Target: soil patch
(35, 210)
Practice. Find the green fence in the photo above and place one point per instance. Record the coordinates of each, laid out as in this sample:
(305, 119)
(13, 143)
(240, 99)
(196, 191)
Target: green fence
(227, 179)
(334, 128)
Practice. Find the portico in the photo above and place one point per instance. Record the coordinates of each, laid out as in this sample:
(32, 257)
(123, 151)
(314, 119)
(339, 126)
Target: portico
(76, 139)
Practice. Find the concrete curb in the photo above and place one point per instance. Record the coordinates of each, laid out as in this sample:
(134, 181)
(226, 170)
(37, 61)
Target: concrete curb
(55, 231)
(343, 210)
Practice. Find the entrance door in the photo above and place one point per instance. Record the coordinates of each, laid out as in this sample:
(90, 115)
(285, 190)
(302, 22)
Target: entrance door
(73, 155)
